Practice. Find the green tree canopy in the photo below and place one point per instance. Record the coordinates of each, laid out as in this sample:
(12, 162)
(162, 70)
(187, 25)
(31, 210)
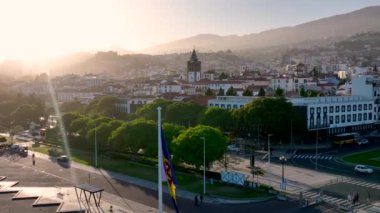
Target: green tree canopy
(231, 92)
(188, 146)
(136, 135)
(274, 115)
(221, 92)
(279, 92)
(261, 92)
(303, 93)
(247, 92)
(107, 106)
(73, 106)
(68, 118)
(223, 76)
(149, 111)
(183, 113)
(80, 125)
(217, 117)
(25, 114)
(103, 133)
(209, 92)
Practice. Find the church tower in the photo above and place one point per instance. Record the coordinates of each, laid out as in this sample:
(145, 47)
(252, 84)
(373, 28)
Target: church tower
(193, 68)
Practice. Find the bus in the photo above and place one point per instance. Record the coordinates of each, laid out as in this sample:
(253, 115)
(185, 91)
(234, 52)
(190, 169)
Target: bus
(346, 138)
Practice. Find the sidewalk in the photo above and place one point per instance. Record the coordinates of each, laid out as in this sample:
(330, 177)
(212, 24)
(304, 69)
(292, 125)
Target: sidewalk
(111, 198)
(298, 179)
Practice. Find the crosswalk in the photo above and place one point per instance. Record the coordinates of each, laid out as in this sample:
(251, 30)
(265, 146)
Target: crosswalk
(313, 196)
(313, 156)
(362, 183)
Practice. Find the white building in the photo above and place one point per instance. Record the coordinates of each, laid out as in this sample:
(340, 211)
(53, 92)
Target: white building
(291, 84)
(337, 114)
(367, 86)
(129, 105)
(169, 87)
(334, 114)
(230, 102)
(83, 97)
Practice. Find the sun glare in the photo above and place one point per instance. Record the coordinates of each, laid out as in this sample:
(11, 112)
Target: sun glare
(40, 29)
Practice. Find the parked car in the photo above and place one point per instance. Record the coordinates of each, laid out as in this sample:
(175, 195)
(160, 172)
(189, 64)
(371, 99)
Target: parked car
(233, 148)
(363, 169)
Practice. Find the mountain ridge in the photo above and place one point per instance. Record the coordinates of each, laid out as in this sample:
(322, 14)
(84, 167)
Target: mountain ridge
(347, 24)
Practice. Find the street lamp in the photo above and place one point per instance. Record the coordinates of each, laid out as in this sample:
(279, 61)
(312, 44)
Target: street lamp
(269, 147)
(283, 160)
(96, 149)
(316, 151)
(204, 165)
(270, 176)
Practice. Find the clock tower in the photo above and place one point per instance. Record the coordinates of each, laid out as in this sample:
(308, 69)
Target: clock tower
(193, 68)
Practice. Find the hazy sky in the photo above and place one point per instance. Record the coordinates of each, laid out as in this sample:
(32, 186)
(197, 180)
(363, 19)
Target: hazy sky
(35, 29)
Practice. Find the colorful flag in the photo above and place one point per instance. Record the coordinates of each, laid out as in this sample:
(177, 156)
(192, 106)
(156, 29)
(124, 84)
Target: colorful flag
(169, 170)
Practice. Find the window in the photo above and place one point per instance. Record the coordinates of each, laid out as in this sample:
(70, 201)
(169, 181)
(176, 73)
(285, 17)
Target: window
(318, 110)
(370, 106)
(337, 119)
(359, 117)
(337, 109)
(331, 120)
(312, 121)
(324, 109)
(348, 108)
(343, 119)
(370, 116)
(365, 106)
(222, 106)
(217, 105)
(235, 106)
(354, 108)
(211, 105)
(348, 118)
(360, 107)
(312, 110)
(331, 109)
(228, 106)
(354, 117)
(365, 116)
(343, 108)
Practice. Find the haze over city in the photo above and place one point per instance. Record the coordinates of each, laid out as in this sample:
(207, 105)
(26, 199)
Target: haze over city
(43, 29)
(239, 106)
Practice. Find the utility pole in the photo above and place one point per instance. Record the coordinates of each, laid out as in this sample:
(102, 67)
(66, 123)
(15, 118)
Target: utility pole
(204, 165)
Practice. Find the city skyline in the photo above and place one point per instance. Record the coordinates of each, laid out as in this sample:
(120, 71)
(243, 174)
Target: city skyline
(44, 29)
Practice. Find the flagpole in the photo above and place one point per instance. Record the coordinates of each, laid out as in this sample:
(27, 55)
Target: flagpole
(159, 167)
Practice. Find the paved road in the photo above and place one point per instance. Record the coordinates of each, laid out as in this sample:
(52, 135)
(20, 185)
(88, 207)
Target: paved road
(333, 166)
(48, 173)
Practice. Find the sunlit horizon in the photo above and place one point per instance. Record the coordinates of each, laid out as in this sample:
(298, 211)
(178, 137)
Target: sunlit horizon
(44, 29)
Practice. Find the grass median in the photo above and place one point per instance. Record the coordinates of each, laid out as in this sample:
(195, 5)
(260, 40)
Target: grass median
(370, 158)
(188, 182)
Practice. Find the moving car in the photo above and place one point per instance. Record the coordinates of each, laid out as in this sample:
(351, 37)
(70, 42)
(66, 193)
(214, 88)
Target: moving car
(63, 159)
(362, 141)
(363, 169)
